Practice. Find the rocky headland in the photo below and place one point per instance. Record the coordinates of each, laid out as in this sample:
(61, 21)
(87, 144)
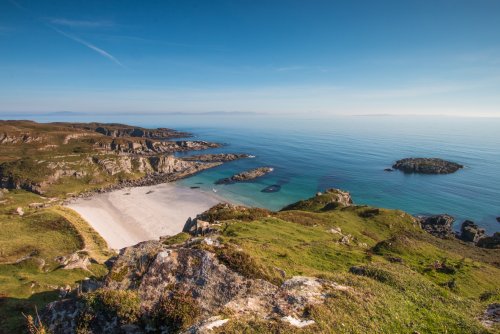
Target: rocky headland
(246, 176)
(426, 166)
(220, 157)
(43, 158)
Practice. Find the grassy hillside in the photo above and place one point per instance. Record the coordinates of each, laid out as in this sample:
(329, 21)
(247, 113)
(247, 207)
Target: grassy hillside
(30, 275)
(380, 273)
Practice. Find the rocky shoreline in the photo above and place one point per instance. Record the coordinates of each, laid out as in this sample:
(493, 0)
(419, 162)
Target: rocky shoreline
(441, 226)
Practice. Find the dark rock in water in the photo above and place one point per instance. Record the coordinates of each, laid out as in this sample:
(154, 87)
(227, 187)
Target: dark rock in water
(246, 176)
(271, 189)
(196, 187)
(498, 219)
(388, 170)
(426, 166)
(438, 225)
(471, 232)
(489, 241)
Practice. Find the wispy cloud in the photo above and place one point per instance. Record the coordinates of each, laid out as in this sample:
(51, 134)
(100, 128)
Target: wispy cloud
(89, 45)
(81, 23)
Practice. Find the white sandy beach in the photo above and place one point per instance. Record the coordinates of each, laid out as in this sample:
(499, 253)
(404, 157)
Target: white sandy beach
(128, 216)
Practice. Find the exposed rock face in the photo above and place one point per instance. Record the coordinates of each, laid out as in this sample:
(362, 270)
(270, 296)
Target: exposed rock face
(426, 166)
(438, 225)
(150, 147)
(246, 176)
(199, 283)
(222, 157)
(471, 232)
(19, 138)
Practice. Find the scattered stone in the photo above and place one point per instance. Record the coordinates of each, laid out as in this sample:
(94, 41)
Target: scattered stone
(36, 205)
(271, 189)
(297, 322)
(20, 211)
(246, 176)
(426, 166)
(491, 315)
(438, 225)
(195, 187)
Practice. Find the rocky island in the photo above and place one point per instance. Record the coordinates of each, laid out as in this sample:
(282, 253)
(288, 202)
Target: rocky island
(426, 166)
(246, 176)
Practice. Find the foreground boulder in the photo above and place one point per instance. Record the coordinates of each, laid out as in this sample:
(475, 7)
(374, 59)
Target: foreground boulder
(438, 225)
(152, 287)
(246, 176)
(426, 166)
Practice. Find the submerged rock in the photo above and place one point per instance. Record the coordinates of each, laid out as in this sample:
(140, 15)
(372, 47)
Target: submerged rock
(271, 189)
(388, 170)
(246, 176)
(426, 166)
(438, 225)
(498, 219)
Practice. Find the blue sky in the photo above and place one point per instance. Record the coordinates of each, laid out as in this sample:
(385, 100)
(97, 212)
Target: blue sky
(280, 57)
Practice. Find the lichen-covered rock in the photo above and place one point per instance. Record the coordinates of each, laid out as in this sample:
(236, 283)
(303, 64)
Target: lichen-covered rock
(153, 287)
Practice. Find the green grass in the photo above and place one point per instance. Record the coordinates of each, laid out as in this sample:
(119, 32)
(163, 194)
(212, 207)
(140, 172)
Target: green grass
(39, 236)
(410, 281)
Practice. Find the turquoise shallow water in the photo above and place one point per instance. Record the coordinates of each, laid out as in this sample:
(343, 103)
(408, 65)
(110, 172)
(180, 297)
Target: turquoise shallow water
(311, 154)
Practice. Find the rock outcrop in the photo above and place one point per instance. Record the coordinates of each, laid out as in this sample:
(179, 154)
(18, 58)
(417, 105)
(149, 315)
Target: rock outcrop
(246, 176)
(426, 166)
(438, 225)
(471, 232)
(492, 241)
(183, 288)
(329, 200)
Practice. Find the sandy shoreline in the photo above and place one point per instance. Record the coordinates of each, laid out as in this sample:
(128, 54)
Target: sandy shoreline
(127, 216)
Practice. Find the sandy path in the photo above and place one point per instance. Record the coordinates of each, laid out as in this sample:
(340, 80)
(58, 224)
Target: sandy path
(128, 216)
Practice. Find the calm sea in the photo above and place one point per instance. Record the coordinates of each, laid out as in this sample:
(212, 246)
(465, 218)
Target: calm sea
(351, 152)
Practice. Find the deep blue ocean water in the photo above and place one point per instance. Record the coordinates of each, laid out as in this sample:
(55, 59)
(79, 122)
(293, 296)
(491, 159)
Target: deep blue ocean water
(351, 152)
